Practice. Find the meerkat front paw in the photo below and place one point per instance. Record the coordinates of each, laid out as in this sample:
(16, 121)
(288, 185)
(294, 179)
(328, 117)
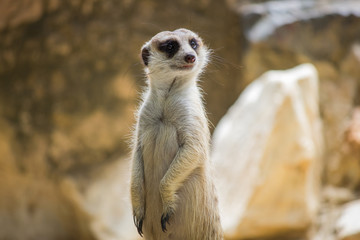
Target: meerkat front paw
(138, 216)
(169, 205)
(165, 218)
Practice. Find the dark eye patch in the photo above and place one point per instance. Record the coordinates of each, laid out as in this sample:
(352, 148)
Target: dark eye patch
(170, 47)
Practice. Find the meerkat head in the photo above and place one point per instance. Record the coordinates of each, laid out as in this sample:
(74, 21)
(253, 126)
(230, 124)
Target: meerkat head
(172, 54)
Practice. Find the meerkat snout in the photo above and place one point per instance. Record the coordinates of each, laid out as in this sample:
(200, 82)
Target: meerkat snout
(190, 58)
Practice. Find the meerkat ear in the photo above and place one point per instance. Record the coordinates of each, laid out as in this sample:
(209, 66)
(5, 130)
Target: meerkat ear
(145, 54)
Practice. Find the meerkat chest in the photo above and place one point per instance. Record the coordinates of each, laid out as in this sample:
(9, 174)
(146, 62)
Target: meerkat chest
(160, 134)
(172, 110)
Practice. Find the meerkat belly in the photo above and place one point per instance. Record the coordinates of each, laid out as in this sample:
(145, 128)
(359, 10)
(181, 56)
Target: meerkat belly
(159, 151)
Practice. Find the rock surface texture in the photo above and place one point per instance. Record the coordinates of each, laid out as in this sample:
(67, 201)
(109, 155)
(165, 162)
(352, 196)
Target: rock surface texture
(348, 224)
(70, 77)
(267, 151)
(283, 34)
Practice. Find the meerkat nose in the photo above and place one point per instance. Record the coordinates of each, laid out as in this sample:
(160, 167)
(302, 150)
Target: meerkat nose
(190, 58)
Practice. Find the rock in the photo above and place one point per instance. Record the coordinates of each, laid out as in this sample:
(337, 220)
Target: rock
(284, 34)
(324, 225)
(338, 102)
(267, 151)
(337, 196)
(27, 205)
(266, 18)
(328, 224)
(101, 196)
(70, 77)
(348, 224)
(353, 131)
(31, 203)
(15, 13)
(325, 34)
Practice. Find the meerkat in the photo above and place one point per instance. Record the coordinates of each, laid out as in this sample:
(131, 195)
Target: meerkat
(172, 193)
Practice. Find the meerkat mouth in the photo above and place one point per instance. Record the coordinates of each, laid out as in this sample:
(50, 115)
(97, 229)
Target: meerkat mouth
(183, 67)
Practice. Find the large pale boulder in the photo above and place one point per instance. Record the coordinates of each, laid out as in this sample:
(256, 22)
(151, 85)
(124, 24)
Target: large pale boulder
(267, 151)
(285, 33)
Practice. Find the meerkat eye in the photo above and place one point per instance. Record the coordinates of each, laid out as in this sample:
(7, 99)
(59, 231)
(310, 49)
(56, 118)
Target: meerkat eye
(170, 47)
(193, 43)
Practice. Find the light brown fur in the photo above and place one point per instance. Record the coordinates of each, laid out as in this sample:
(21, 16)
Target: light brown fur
(171, 184)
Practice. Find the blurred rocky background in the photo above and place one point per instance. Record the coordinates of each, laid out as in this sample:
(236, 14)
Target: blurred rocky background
(70, 78)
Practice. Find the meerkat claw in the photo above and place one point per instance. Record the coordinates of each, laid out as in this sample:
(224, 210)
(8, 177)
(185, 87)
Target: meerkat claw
(138, 225)
(164, 220)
